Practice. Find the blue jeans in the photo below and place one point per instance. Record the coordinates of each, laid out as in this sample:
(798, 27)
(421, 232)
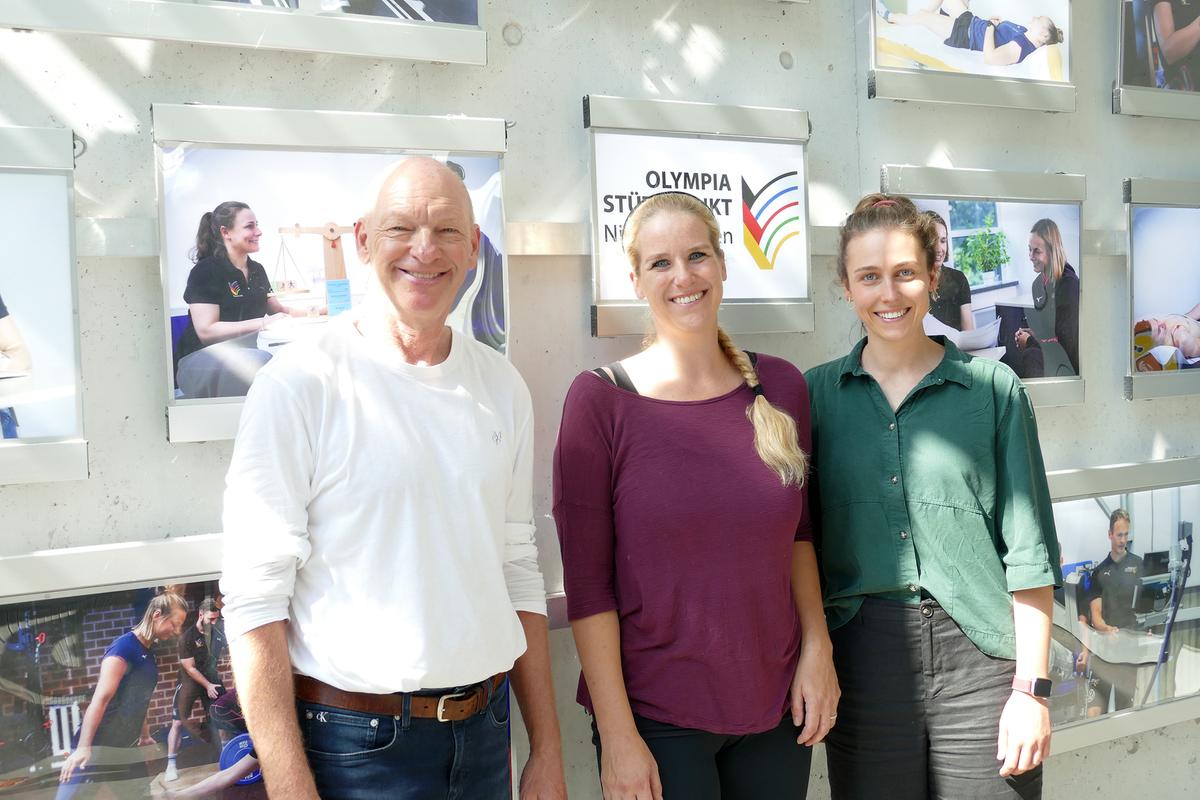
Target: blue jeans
(369, 756)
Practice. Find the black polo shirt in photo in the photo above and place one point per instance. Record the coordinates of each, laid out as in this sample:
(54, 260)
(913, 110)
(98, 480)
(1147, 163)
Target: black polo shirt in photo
(218, 282)
(194, 644)
(1114, 583)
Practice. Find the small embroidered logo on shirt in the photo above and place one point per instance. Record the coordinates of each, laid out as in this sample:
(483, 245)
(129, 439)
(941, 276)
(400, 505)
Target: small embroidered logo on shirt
(497, 438)
(235, 289)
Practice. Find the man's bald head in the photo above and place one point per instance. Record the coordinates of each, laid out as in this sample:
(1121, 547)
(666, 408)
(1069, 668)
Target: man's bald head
(420, 174)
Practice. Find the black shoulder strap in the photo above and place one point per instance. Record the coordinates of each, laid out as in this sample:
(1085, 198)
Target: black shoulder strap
(753, 356)
(615, 374)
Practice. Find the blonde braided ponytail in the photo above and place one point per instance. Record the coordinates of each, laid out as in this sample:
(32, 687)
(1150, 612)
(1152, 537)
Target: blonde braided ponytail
(775, 437)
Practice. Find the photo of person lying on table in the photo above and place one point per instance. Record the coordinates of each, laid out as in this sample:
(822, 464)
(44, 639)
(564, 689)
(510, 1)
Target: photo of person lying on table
(1167, 341)
(953, 36)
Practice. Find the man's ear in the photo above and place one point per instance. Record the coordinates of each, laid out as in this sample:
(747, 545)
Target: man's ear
(475, 244)
(360, 240)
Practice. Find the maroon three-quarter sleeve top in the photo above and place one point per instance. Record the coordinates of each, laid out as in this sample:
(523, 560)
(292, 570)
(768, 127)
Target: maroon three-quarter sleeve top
(667, 515)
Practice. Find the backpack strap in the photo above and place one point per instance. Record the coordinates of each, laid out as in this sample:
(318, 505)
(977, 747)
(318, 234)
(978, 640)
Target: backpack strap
(615, 374)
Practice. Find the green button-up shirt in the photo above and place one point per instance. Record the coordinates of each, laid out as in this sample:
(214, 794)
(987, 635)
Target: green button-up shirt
(946, 495)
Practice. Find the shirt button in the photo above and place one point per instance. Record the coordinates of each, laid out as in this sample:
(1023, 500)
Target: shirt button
(895, 480)
(891, 426)
(912, 587)
(926, 612)
(903, 534)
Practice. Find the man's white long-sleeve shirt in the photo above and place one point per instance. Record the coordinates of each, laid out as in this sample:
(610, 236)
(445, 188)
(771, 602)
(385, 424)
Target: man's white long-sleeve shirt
(385, 509)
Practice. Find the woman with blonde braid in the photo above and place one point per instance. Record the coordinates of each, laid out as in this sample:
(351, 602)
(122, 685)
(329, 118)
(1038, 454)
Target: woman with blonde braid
(680, 500)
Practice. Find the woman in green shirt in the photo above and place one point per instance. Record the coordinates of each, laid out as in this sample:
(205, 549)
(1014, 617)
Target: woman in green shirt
(936, 537)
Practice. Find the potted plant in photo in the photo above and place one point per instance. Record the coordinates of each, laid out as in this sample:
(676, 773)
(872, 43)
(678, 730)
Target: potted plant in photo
(982, 255)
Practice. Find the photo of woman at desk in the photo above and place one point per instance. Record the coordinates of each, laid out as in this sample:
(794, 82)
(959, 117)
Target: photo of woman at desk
(229, 303)
(994, 302)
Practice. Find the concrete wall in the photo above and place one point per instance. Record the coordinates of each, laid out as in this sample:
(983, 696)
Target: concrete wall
(144, 488)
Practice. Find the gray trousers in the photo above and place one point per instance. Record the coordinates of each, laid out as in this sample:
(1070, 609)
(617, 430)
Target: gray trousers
(920, 710)
(225, 369)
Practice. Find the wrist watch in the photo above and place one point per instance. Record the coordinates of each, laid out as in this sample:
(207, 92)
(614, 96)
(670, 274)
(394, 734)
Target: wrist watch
(1037, 687)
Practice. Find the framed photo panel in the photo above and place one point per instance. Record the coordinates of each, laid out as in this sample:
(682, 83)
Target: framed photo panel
(420, 30)
(1007, 53)
(1164, 288)
(1125, 649)
(1011, 276)
(747, 164)
(146, 607)
(41, 410)
(285, 199)
(1159, 65)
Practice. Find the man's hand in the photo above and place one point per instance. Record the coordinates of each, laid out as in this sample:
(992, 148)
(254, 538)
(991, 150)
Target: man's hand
(627, 769)
(1024, 739)
(815, 693)
(1022, 336)
(543, 778)
(213, 690)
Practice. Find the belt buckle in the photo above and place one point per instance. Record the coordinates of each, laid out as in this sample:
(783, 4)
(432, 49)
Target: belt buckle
(441, 706)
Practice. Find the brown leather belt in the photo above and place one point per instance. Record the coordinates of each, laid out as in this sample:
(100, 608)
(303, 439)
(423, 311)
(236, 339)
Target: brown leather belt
(452, 707)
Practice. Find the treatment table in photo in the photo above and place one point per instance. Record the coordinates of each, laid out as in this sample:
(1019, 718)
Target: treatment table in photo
(1127, 620)
(38, 360)
(1030, 39)
(1017, 266)
(51, 655)
(1166, 288)
(303, 266)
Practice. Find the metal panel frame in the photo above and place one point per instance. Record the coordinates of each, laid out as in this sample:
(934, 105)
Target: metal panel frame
(47, 459)
(325, 130)
(1075, 484)
(1148, 101)
(253, 27)
(979, 90)
(943, 182)
(605, 114)
(72, 571)
(267, 128)
(1171, 194)
(42, 461)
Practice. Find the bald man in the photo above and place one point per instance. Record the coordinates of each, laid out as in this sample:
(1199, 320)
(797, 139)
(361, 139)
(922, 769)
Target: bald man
(380, 574)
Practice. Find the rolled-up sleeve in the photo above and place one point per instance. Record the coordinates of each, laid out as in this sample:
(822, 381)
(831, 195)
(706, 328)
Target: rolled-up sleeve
(1025, 514)
(583, 505)
(522, 575)
(265, 517)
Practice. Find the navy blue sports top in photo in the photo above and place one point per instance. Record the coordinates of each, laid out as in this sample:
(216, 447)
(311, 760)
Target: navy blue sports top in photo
(122, 722)
(1005, 32)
